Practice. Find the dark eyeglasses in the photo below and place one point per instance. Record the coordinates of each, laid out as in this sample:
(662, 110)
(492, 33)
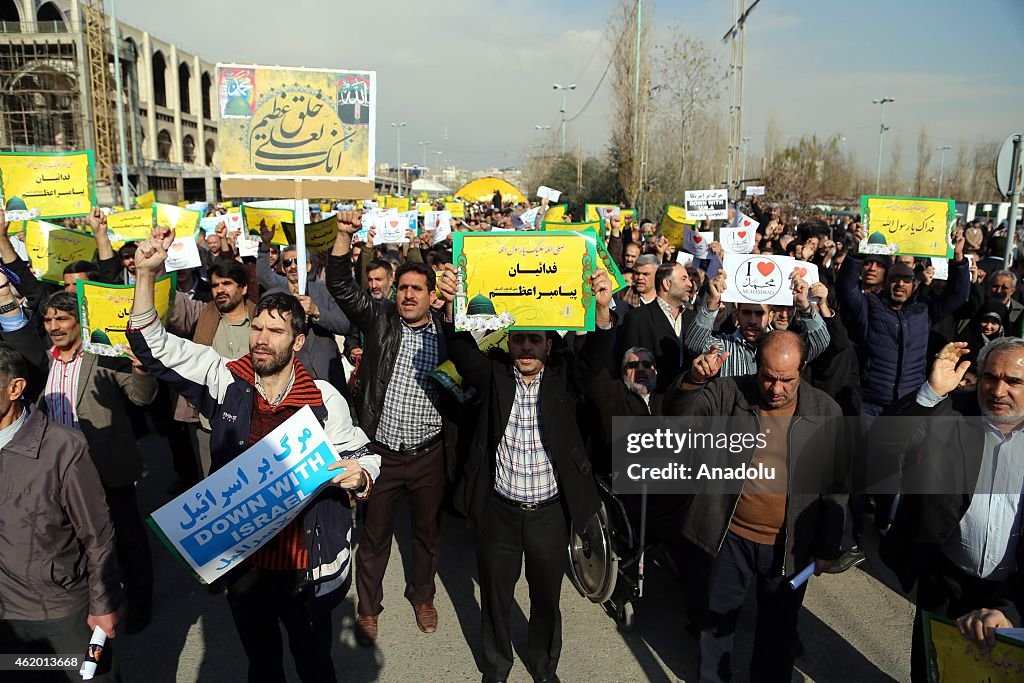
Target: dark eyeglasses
(634, 364)
(908, 279)
(287, 262)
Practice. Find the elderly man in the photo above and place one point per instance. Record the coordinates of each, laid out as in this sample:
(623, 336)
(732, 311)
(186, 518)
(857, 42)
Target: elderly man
(1002, 287)
(643, 291)
(957, 536)
(660, 327)
(770, 530)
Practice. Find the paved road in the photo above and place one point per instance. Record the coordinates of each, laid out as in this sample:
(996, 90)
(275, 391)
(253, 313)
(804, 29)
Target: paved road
(853, 627)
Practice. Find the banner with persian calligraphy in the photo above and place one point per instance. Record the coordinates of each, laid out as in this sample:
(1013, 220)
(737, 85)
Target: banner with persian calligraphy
(294, 124)
(57, 184)
(907, 226)
(51, 248)
(181, 221)
(540, 279)
(954, 659)
(104, 311)
(131, 226)
(232, 513)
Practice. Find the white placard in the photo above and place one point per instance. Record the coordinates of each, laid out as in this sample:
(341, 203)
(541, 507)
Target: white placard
(183, 253)
(248, 245)
(391, 228)
(758, 279)
(698, 243)
(940, 268)
(684, 258)
(707, 204)
(736, 240)
(232, 513)
(440, 222)
(755, 190)
(549, 194)
(606, 212)
(232, 221)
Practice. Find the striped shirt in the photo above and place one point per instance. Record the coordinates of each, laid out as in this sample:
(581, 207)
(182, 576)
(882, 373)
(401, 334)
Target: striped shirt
(700, 338)
(523, 469)
(61, 391)
(409, 417)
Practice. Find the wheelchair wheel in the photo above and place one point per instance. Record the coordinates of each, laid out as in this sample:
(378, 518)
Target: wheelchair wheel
(593, 565)
(625, 617)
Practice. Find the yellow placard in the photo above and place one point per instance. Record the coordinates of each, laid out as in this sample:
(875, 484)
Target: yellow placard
(449, 378)
(400, 203)
(281, 123)
(423, 207)
(954, 659)
(227, 205)
(104, 311)
(673, 224)
(606, 262)
(52, 248)
(326, 208)
(146, 200)
(319, 236)
(180, 220)
(275, 219)
(908, 226)
(458, 209)
(541, 279)
(556, 213)
(56, 184)
(131, 226)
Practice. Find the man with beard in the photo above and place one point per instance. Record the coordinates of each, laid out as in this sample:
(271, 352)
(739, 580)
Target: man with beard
(223, 326)
(752, 321)
(91, 394)
(299, 575)
(380, 280)
(891, 331)
(642, 292)
(660, 326)
(957, 531)
(320, 354)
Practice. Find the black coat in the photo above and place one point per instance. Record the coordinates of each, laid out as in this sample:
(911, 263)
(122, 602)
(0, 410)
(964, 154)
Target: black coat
(941, 450)
(836, 370)
(381, 327)
(647, 326)
(560, 391)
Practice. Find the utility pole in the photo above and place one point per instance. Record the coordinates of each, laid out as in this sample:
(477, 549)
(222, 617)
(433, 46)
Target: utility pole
(115, 36)
(398, 144)
(744, 150)
(563, 88)
(881, 136)
(736, 34)
(942, 165)
(423, 145)
(636, 80)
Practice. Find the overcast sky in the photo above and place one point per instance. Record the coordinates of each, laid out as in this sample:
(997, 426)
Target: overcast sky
(485, 68)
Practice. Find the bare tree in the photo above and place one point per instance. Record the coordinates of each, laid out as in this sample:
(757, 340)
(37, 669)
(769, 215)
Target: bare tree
(894, 179)
(924, 160)
(629, 110)
(772, 137)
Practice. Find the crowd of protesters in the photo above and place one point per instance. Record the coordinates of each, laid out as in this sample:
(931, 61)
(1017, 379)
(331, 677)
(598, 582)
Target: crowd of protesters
(519, 455)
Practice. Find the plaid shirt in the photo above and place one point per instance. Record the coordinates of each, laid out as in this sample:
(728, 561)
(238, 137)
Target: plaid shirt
(523, 469)
(410, 417)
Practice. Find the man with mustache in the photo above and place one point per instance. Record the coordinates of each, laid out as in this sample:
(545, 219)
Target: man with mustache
(957, 531)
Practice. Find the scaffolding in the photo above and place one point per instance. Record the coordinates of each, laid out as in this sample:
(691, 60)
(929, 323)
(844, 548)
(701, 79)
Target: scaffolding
(40, 96)
(99, 90)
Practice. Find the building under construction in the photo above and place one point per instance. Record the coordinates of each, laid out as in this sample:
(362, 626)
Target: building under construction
(58, 93)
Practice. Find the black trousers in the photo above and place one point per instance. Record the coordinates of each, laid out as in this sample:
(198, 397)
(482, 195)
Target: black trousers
(260, 600)
(947, 590)
(67, 636)
(506, 536)
(132, 546)
(422, 477)
(738, 564)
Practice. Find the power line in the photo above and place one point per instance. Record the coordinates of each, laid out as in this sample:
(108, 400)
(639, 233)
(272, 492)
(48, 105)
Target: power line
(618, 46)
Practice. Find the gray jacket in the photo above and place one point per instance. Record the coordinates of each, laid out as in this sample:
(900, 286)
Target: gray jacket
(56, 538)
(817, 467)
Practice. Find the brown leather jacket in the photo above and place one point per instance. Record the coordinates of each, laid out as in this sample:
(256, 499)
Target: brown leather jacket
(56, 539)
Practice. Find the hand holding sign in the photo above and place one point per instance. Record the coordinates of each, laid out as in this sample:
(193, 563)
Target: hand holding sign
(716, 287)
(980, 626)
(152, 253)
(352, 476)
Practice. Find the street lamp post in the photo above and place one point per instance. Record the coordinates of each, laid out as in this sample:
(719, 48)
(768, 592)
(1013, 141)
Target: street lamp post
(745, 140)
(423, 145)
(942, 165)
(563, 88)
(881, 135)
(398, 151)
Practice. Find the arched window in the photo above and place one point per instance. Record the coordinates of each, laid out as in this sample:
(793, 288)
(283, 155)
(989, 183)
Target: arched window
(188, 149)
(184, 77)
(207, 85)
(41, 109)
(50, 19)
(163, 146)
(10, 16)
(159, 86)
(211, 151)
